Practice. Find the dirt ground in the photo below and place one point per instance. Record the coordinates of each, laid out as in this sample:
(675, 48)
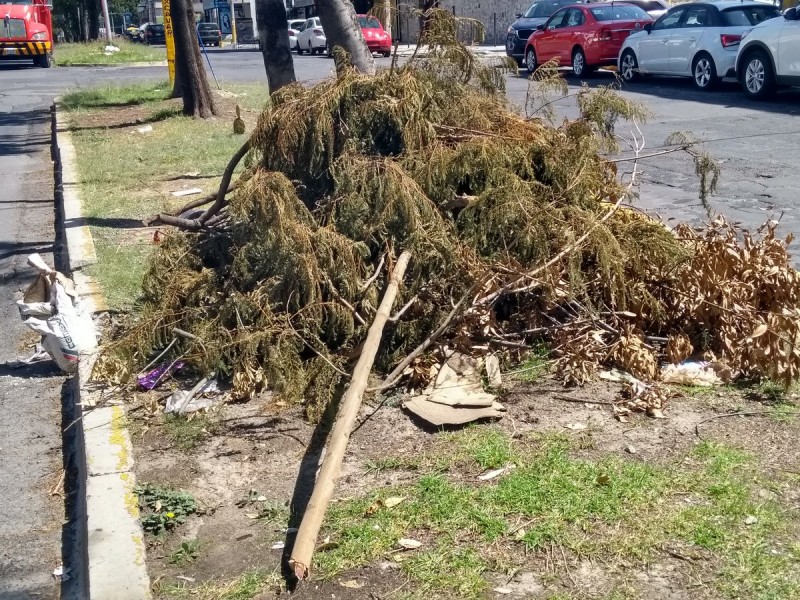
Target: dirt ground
(273, 450)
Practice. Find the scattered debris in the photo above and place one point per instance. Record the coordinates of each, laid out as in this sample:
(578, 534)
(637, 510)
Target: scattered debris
(145, 129)
(576, 426)
(61, 573)
(409, 543)
(699, 373)
(750, 520)
(66, 329)
(393, 501)
(492, 364)
(278, 545)
(456, 395)
(202, 396)
(489, 475)
(502, 590)
(185, 578)
(187, 192)
(39, 354)
(352, 584)
(151, 379)
(630, 449)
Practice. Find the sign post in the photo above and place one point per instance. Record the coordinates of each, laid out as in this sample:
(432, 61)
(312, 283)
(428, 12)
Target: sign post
(169, 36)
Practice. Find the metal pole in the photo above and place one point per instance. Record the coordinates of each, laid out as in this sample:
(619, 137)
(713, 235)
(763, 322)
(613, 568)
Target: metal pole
(106, 20)
(233, 25)
(208, 60)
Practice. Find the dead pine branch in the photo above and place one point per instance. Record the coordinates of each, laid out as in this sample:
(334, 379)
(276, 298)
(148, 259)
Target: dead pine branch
(306, 540)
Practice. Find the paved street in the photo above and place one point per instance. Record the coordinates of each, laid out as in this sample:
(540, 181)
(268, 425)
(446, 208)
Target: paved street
(757, 145)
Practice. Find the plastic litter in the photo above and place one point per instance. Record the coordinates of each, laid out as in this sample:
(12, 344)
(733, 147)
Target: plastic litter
(68, 331)
(151, 379)
(204, 395)
(700, 373)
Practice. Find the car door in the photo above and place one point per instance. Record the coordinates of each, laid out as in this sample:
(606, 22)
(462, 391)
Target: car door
(653, 48)
(686, 36)
(302, 37)
(788, 59)
(546, 39)
(567, 36)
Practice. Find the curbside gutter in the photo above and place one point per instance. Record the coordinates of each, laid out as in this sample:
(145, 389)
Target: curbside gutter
(110, 537)
(158, 63)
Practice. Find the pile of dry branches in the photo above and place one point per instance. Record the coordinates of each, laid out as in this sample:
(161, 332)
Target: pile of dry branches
(516, 230)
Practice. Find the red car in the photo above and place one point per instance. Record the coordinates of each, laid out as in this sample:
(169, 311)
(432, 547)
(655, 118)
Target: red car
(586, 36)
(377, 38)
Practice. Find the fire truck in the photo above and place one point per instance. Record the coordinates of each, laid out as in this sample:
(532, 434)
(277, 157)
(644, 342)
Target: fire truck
(26, 31)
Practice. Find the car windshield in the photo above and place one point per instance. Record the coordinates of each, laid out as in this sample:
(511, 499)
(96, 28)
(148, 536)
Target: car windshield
(749, 15)
(546, 8)
(618, 12)
(156, 28)
(26, 2)
(208, 26)
(369, 23)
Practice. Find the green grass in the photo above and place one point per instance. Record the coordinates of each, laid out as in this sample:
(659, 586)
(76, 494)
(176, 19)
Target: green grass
(92, 53)
(245, 587)
(124, 174)
(185, 433)
(612, 509)
(534, 366)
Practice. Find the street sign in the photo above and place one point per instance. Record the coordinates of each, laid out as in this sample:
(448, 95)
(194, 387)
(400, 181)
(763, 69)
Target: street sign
(169, 36)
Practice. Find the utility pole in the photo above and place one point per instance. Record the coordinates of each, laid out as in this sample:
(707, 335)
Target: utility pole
(106, 20)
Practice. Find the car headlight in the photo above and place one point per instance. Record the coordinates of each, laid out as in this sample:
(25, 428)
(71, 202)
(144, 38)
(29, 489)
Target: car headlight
(510, 29)
(42, 35)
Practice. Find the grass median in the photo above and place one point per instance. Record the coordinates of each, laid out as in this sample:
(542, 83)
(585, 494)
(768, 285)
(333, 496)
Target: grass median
(134, 150)
(93, 53)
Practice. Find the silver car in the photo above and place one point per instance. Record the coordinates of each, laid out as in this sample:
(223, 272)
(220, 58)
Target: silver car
(698, 40)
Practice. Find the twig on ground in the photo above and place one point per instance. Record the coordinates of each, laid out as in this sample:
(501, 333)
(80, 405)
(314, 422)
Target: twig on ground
(750, 413)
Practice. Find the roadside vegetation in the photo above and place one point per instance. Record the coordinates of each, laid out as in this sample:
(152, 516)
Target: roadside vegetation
(93, 53)
(133, 150)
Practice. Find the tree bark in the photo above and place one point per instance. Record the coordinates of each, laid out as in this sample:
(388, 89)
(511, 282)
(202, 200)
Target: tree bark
(273, 32)
(93, 14)
(341, 29)
(306, 539)
(189, 71)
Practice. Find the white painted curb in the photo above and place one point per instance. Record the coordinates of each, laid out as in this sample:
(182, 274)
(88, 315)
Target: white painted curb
(116, 551)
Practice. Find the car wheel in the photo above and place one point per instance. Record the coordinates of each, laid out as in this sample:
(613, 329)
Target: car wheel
(704, 72)
(530, 59)
(757, 80)
(579, 63)
(386, 54)
(311, 50)
(629, 67)
(299, 49)
(45, 61)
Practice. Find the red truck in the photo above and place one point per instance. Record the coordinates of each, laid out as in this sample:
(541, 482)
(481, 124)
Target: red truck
(26, 31)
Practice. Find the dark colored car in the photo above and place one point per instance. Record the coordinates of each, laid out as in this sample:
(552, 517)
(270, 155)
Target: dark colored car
(210, 34)
(521, 29)
(154, 34)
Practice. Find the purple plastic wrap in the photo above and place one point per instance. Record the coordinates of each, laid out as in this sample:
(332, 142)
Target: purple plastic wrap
(151, 379)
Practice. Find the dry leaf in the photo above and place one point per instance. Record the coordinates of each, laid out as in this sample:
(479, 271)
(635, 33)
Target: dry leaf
(278, 545)
(603, 479)
(352, 584)
(393, 501)
(495, 473)
(408, 543)
(157, 507)
(501, 590)
(750, 520)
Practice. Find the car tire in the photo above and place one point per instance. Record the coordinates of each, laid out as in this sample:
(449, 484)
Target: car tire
(629, 67)
(704, 72)
(299, 49)
(530, 60)
(579, 66)
(758, 80)
(386, 54)
(45, 61)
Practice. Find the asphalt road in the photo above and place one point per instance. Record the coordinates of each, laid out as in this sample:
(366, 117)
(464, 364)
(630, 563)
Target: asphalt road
(756, 145)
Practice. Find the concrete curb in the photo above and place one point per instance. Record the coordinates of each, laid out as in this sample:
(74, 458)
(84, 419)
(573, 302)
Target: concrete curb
(114, 538)
(160, 63)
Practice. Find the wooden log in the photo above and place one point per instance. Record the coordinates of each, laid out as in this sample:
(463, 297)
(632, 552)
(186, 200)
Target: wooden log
(306, 540)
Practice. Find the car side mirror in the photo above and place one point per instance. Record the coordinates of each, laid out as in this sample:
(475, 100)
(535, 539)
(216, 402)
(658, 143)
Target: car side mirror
(790, 14)
(518, 16)
(540, 27)
(648, 27)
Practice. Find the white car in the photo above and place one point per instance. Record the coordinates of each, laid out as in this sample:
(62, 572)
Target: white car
(769, 55)
(312, 38)
(295, 27)
(696, 39)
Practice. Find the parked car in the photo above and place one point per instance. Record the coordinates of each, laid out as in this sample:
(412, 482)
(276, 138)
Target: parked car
(312, 37)
(585, 36)
(375, 35)
(210, 34)
(521, 29)
(654, 8)
(698, 40)
(154, 34)
(295, 26)
(769, 54)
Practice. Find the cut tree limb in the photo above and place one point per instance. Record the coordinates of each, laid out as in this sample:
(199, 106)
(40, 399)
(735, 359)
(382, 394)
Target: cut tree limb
(306, 540)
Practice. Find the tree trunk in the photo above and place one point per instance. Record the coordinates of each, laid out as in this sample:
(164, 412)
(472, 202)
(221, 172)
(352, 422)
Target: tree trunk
(273, 32)
(93, 10)
(189, 71)
(341, 29)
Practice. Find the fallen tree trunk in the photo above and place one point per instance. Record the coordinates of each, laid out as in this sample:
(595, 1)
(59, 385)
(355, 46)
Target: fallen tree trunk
(306, 540)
